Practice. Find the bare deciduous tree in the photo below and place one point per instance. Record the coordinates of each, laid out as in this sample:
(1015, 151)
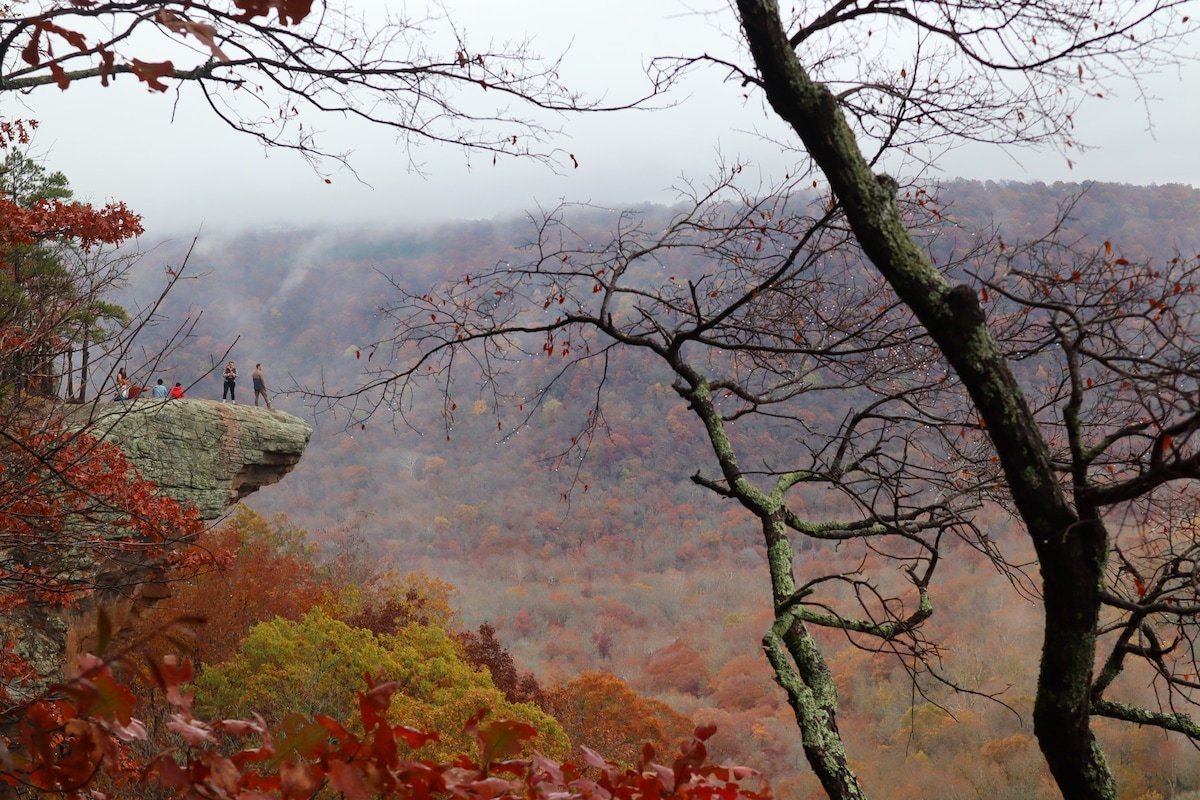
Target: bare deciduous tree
(762, 306)
(1039, 45)
(264, 67)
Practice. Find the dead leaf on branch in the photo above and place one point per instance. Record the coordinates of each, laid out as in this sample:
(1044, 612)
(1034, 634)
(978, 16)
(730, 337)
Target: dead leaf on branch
(152, 72)
(205, 33)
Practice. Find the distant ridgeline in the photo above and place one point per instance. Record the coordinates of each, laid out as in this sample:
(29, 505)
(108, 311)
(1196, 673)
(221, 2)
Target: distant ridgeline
(1141, 222)
(198, 452)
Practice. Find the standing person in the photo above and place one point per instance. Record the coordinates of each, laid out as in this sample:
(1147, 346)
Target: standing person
(177, 392)
(260, 385)
(230, 383)
(160, 390)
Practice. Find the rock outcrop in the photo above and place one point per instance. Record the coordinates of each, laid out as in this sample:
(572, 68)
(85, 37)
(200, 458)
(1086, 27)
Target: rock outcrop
(199, 452)
(202, 452)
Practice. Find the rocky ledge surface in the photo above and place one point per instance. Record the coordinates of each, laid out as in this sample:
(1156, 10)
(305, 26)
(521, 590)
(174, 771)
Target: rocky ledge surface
(204, 452)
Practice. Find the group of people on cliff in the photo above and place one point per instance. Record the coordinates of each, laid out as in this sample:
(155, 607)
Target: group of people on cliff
(127, 391)
(160, 392)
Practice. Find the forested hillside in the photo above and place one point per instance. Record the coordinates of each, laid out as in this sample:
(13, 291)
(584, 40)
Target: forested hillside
(617, 561)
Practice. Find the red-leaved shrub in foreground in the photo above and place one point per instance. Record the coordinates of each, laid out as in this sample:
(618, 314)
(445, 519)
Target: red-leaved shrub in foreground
(66, 745)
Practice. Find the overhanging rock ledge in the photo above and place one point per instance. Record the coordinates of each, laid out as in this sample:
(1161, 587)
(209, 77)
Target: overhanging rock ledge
(202, 452)
(198, 452)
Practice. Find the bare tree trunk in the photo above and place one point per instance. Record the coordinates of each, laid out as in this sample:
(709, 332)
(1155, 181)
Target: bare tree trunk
(83, 368)
(1071, 555)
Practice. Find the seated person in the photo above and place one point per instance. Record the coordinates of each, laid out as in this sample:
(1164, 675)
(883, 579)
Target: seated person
(177, 391)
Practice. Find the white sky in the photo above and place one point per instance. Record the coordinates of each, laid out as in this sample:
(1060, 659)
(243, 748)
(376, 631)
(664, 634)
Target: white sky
(181, 175)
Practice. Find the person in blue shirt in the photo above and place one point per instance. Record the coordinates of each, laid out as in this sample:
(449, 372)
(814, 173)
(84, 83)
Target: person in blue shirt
(160, 391)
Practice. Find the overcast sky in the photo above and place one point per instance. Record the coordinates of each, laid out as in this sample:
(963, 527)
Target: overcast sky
(190, 172)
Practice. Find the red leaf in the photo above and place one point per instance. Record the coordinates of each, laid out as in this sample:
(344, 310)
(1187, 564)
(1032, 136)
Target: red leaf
(373, 703)
(502, 739)
(106, 65)
(29, 53)
(330, 724)
(152, 72)
(297, 779)
(290, 11)
(346, 780)
(413, 737)
(60, 76)
(592, 758)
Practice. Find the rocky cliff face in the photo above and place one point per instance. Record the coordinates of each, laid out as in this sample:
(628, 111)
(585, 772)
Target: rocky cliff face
(199, 452)
(203, 452)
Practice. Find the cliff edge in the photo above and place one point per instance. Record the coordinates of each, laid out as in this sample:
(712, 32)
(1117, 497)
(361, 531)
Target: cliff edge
(199, 452)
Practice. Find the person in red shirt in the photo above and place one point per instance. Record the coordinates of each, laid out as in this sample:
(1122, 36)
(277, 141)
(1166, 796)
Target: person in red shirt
(177, 392)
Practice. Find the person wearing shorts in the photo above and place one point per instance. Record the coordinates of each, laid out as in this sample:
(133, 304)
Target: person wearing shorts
(260, 385)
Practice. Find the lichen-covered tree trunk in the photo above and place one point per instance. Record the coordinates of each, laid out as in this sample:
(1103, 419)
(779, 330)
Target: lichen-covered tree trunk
(801, 670)
(1071, 554)
(84, 363)
(794, 655)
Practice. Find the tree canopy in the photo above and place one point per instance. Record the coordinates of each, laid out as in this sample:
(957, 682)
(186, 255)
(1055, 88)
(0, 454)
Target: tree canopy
(263, 68)
(303, 667)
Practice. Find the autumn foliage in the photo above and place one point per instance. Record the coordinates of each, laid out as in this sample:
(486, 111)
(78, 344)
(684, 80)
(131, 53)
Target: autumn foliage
(65, 495)
(598, 710)
(77, 521)
(483, 649)
(229, 580)
(62, 746)
(52, 219)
